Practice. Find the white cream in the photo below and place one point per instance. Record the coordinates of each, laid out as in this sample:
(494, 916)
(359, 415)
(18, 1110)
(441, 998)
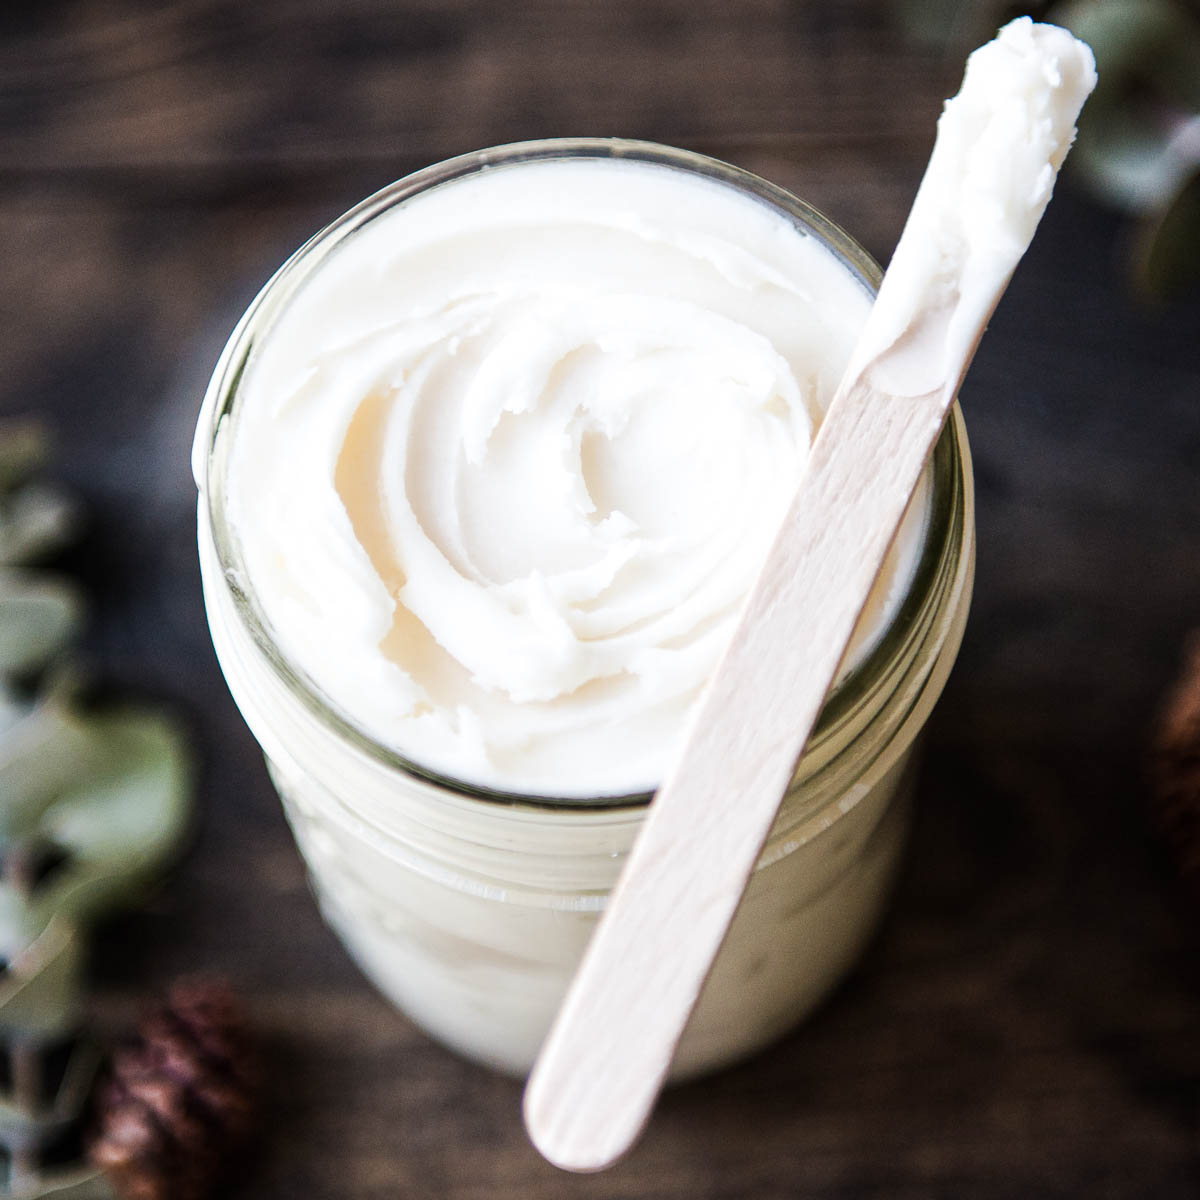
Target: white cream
(470, 915)
(1000, 144)
(504, 469)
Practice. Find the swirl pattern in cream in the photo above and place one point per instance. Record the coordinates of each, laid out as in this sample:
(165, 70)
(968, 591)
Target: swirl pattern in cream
(505, 466)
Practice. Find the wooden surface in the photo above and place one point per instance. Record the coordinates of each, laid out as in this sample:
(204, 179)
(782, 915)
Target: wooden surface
(1028, 1023)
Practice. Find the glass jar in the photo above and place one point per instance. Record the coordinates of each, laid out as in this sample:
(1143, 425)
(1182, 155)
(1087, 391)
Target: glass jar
(470, 908)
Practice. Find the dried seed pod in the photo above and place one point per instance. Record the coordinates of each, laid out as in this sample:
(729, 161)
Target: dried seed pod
(180, 1100)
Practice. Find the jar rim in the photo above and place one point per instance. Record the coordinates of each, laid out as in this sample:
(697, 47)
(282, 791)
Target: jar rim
(210, 452)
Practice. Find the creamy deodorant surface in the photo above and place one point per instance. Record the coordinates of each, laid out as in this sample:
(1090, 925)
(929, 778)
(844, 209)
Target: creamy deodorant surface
(503, 470)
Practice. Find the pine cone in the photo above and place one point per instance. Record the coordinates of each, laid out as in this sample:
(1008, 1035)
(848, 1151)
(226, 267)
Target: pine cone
(1175, 771)
(179, 1100)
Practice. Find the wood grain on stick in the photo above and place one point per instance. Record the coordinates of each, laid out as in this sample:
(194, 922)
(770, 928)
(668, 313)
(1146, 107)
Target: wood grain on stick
(610, 1049)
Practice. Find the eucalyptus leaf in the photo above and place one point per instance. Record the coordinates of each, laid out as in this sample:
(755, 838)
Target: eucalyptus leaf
(78, 1183)
(20, 923)
(137, 803)
(121, 825)
(48, 751)
(1148, 40)
(1167, 254)
(1130, 166)
(14, 708)
(35, 521)
(39, 615)
(23, 446)
(39, 993)
(1148, 63)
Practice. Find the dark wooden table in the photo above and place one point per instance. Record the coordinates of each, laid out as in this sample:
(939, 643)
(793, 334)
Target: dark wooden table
(1027, 1024)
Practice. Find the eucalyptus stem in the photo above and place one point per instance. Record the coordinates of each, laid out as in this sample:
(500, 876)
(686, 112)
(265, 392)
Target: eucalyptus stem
(24, 1052)
(26, 1059)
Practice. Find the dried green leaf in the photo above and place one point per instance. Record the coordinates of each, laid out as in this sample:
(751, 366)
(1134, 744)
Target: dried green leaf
(46, 752)
(20, 925)
(39, 614)
(1148, 41)
(110, 791)
(35, 521)
(14, 708)
(39, 993)
(23, 447)
(1130, 166)
(121, 825)
(1148, 62)
(77, 1183)
(1166, 259)
(137, 804)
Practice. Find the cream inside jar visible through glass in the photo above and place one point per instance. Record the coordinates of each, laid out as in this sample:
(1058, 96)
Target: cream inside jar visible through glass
(507, 465)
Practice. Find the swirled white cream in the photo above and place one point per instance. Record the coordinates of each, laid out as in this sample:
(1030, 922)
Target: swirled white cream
(504, 468)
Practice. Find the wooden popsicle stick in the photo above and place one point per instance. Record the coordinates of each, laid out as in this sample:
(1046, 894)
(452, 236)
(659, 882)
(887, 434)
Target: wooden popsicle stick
(609, 1051)
(685, 876)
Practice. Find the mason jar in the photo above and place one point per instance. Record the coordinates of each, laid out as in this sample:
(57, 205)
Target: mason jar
(470, 908)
